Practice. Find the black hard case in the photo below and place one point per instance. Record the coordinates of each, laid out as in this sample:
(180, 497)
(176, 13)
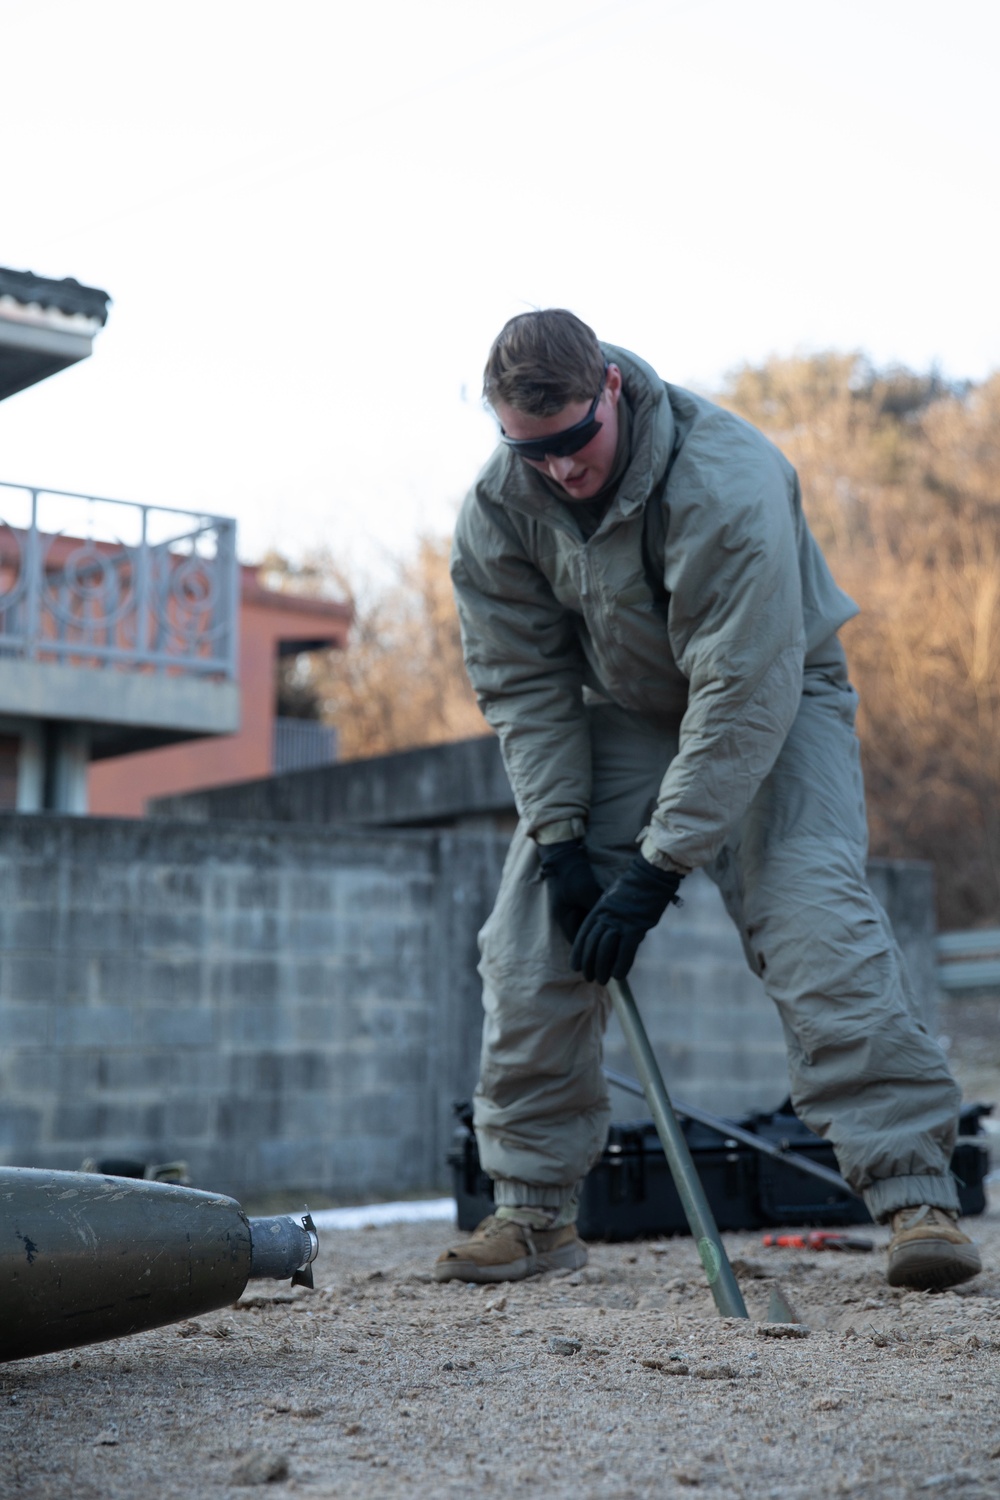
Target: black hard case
(630, 1193)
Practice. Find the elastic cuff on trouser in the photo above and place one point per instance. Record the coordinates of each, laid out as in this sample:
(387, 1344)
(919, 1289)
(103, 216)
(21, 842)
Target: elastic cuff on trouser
(510, 1194)
(889, 1194)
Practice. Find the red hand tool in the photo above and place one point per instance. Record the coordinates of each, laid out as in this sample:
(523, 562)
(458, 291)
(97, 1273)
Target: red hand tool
(818, 1239)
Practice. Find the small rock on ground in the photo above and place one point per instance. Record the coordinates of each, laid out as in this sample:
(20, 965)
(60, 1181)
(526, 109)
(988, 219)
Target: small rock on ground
(261, 1467)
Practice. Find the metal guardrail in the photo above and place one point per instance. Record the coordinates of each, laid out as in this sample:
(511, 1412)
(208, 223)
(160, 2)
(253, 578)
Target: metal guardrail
(301, 744)
(968, 960)
(94, 582)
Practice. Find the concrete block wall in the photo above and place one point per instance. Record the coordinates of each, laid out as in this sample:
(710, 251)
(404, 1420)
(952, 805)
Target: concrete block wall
(282, 1008)
(458, 785)
(292, 1007)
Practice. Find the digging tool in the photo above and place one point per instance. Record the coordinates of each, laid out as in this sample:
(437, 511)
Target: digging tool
(736, 1132)
(722, 1282)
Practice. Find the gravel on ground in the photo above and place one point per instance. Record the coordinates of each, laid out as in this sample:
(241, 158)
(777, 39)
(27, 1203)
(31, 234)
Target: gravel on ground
(618, 1380)
(615, 1382)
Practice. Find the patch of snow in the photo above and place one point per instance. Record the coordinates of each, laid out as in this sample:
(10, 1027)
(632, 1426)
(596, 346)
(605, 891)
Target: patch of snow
(422, 1211)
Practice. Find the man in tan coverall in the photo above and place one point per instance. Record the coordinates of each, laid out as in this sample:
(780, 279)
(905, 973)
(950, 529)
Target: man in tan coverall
(651, 629)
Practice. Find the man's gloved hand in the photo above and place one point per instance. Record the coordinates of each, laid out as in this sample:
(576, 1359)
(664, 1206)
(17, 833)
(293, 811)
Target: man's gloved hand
(609, 938)
(573, 887)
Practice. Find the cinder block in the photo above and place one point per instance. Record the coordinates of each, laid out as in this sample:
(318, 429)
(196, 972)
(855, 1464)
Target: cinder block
(255, 1072)
(110, 928)
(215, 977)
(388, 1169)
(29, 1073)
(258, 890)
(135, 1071)
(248, 1118)
(252, 931)
(29, 881)
(414, 1063)
(96, 1126)
(388, 1114)
(309, 979)
(355, 1071)
(33, 976)
(20, 1130)
(79, 1072)
(309, 933)
(305, 1113)
(202, 1072)
(289, 1164)
(306, 1071)
(221, 1169)
(30, 927)
(258, 1025)
(275, 1072)
(319, 1024)
(258, 980)
(188, 1119)
(177, 980)
(171, 928)
(94, 1026)
(220, 891)
(357, 978)
(183, 1026)
(765, 1074)
(80, 1123)
(394, 1021)
(414, 1156)
(101, 883)
(309, 893)
(357, 893)
(171, 887)
(117, 978)
(25, 1025)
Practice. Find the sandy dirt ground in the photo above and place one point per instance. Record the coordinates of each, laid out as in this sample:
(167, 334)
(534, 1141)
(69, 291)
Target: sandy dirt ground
(619, 1380)
(615, 1381)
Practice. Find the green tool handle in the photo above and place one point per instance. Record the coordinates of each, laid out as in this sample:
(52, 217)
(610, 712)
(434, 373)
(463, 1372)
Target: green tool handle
(728, 1297)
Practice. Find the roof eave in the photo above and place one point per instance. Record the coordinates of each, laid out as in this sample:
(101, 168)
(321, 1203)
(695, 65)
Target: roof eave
(30, 352)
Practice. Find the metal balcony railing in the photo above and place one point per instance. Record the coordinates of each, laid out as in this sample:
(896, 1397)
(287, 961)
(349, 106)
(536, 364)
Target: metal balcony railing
(300, 744)
(87, 581)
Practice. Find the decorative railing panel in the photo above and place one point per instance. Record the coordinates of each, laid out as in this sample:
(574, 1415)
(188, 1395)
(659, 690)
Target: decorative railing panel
(300, 745)
(110, 583)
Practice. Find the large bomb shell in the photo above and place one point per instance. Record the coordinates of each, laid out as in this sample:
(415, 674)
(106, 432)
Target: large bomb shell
(86, 1257)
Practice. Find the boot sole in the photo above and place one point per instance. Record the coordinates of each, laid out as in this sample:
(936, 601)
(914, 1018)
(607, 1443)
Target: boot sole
(567, 1258)
(929, 1265)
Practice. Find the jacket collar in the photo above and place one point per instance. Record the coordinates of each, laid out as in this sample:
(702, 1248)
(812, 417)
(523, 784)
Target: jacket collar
(653, 431)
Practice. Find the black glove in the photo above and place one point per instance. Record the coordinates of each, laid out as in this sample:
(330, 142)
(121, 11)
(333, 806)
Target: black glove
(609, 938)
(573, 887)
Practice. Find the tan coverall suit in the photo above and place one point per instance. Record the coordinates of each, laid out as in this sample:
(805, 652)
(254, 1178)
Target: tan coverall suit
(675, 680)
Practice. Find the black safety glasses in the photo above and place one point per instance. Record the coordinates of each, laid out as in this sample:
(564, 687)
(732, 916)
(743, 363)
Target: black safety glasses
(560, 444)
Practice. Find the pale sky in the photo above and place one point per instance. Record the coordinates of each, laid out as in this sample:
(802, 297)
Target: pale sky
(313, 218)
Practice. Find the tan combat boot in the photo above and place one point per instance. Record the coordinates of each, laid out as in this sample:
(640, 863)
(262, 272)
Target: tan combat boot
(929, 1251)
(504, 1248)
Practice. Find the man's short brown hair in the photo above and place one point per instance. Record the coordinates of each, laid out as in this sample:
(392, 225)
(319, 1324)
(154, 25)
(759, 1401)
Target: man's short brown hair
(541, 361)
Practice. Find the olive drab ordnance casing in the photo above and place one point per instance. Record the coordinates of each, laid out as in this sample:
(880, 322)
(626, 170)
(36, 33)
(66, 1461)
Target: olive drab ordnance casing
(85, 1257)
